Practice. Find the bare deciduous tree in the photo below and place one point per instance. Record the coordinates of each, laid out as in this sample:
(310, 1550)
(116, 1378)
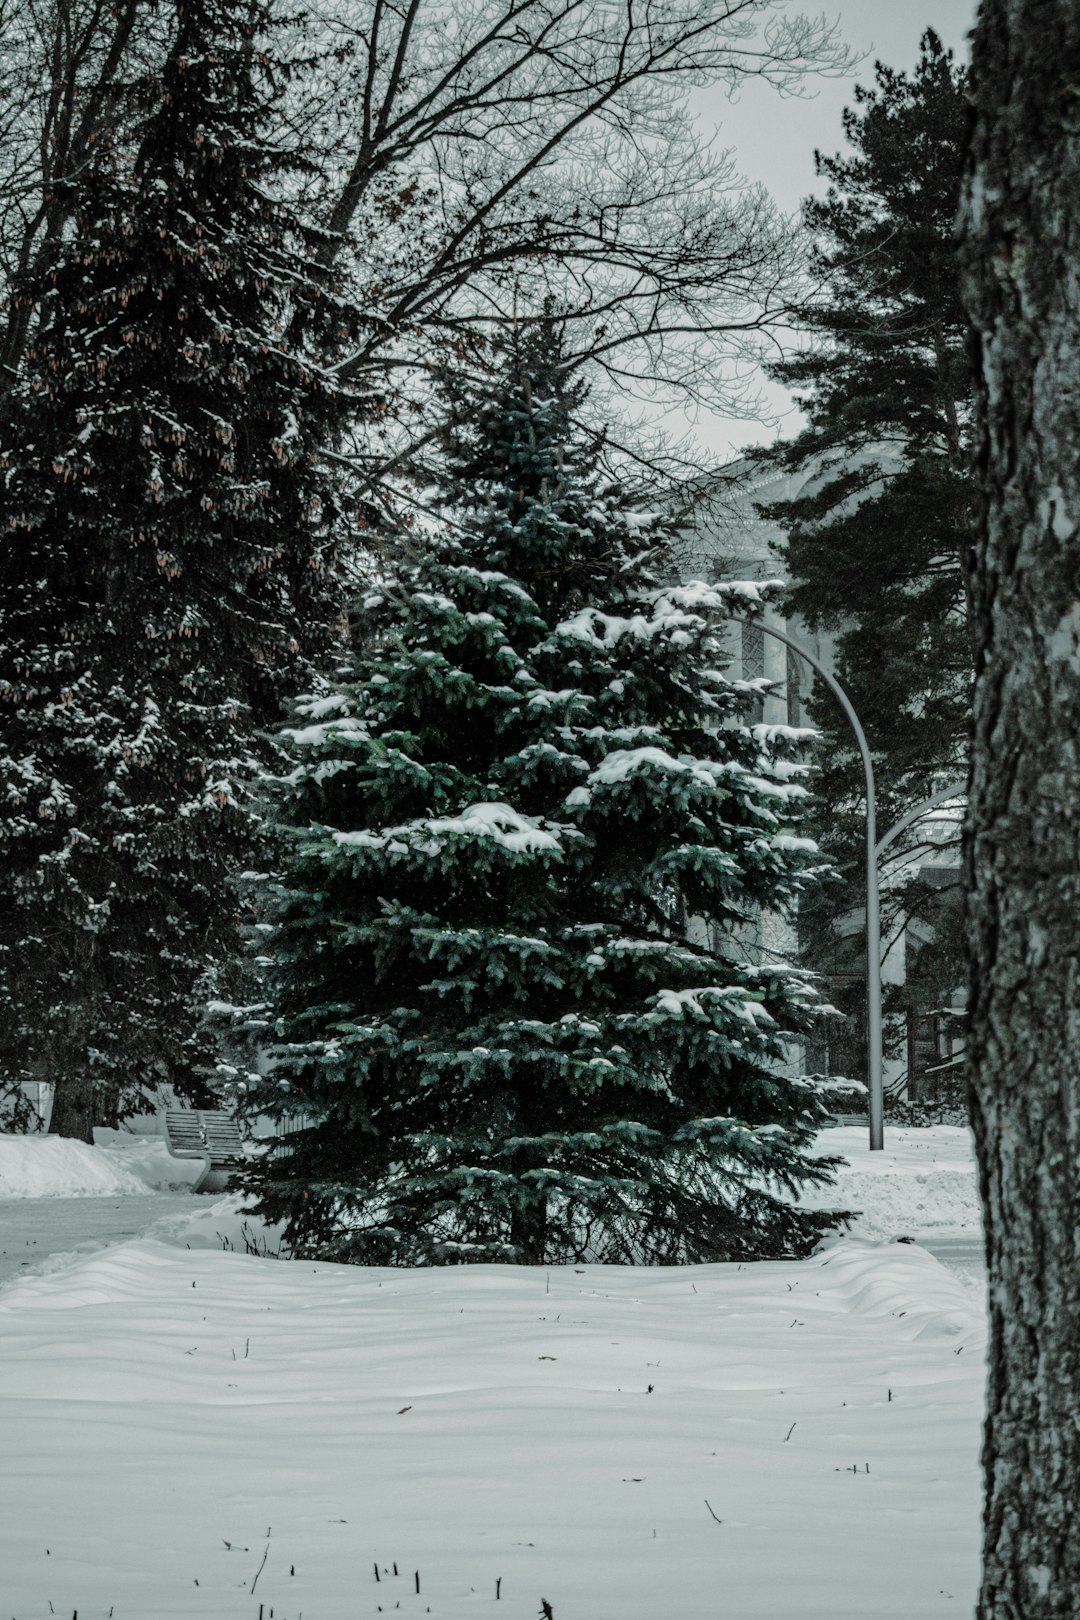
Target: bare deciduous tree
(504, 155)
(473, 162)
(62, 72)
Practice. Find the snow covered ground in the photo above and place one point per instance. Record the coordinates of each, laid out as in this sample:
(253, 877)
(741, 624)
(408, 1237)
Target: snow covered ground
(195, 1432)
(120, 1164)
(922, 1183)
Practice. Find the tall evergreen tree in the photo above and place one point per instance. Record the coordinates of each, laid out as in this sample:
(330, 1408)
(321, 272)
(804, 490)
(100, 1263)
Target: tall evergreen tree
(167, 571)
(506, 1038)
(878, 540)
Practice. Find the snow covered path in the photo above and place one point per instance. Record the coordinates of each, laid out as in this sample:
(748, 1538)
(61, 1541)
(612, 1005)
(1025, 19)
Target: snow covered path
(59, 1198)
(35, 1230)
(182, 1427)
(963, 1255)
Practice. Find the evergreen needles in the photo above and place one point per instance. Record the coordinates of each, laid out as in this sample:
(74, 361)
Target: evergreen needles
(513, 999)
(167, 572)
(879, 528)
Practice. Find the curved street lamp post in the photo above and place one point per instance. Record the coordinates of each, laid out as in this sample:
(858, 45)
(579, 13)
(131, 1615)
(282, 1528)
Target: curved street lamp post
(874, 849)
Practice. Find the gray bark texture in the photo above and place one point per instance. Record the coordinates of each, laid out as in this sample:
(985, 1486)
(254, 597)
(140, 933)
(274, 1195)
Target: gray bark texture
(73, 1107)
(1020, 246)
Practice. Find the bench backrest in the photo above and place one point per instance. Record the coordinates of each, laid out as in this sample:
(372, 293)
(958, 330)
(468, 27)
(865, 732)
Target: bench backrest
(203, 1130)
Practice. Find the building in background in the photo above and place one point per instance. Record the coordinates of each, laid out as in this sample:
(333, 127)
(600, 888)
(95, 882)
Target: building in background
(731, 540)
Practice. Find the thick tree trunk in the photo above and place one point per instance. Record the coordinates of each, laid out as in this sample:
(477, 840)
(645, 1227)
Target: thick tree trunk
(1021, 250)
(529, 1221)
(528, 1233)
(73, 1108)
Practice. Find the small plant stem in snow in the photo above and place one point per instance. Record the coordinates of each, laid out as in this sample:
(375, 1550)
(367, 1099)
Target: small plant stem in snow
(261, 1567)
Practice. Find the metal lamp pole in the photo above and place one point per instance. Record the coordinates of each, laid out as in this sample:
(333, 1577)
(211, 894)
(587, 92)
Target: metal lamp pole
(875, 848)
(955, 790)
(873, 900)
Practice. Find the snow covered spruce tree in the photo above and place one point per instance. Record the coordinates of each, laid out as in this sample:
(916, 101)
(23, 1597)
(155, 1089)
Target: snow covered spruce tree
(509, 1038)
(166, 572)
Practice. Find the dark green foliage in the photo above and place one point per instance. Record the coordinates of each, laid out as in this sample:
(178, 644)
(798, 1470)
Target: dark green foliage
(167, 571)
(878, 540)
(504, 1038)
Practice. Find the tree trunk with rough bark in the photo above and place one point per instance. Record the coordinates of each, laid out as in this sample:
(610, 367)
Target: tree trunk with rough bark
(73, 1108)
(1020, 227)
(529, 1222)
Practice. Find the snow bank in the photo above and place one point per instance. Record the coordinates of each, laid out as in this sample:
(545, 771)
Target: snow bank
(922, 1184)
(757, 1442)
(118, 1164)
(54, 1167)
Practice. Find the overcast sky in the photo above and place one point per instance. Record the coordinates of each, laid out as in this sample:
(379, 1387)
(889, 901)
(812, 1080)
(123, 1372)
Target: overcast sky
(774, 138)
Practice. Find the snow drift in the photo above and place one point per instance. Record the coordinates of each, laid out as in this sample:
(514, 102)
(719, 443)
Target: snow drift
(118, 1165)
(179, 1425)
(54, 1166)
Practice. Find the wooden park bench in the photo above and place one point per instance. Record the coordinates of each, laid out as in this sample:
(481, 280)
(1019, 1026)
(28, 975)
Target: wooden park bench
(209, 1134)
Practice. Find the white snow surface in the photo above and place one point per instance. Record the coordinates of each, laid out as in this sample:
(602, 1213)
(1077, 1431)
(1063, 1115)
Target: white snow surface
(196, 1433)
(922, 1184)
(681, 1003)
(119, 1164)
(191, 1431)
(499, 822)
(678, 612)
(37, 1166)
(714, 776)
